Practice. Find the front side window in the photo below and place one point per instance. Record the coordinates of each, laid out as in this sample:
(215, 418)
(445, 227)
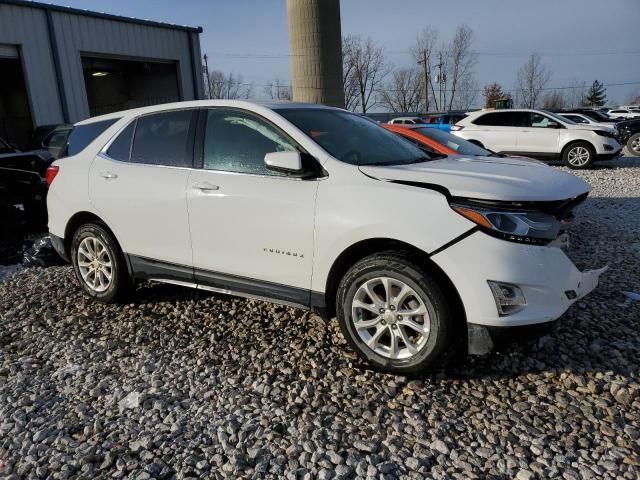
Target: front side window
(535, 120)
(235, 141)
(497, 119)
(163, 139)
(351, 138)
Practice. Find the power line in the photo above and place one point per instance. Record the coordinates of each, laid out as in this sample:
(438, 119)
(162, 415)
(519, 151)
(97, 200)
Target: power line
(409, 52)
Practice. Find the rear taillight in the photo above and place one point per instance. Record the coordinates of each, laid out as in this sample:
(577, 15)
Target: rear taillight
(52, 171)
(455, 128)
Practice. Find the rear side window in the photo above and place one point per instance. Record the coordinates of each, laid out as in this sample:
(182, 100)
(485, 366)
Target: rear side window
(164, 139)
(82, 135)
(497, 119)
(120, 148)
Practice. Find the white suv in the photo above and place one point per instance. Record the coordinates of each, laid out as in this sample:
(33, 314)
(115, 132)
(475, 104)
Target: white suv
(319, 208)
(540, 134)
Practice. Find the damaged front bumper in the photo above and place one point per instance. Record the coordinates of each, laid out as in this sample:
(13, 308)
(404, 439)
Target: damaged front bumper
(550, 282)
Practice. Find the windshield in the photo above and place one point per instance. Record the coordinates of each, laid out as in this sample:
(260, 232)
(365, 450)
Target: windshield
(559, 118)
(460, 145)
(597, 116)
(352, 138)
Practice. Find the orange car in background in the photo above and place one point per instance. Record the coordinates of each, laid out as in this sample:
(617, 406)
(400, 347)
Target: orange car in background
(437, 141)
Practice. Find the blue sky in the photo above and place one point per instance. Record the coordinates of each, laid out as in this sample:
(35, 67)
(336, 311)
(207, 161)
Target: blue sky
(583, 39)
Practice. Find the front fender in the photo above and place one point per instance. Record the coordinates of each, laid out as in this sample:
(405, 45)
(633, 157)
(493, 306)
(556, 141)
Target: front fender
(375, 209)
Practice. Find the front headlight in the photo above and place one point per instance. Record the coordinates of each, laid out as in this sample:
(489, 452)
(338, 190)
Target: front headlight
(519, 226)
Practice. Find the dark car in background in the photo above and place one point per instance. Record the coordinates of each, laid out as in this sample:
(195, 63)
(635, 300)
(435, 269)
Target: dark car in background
(628, 132)
(51, 138)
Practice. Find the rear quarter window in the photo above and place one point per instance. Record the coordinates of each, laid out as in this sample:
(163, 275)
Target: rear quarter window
(82, 135)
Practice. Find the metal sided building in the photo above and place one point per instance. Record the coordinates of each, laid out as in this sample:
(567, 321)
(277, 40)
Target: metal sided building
(62, 65)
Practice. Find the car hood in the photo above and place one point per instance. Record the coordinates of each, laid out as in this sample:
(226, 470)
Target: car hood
(486, 178)
(631, 123)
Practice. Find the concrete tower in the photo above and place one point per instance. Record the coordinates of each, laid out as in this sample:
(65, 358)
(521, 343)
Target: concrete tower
(315, 43)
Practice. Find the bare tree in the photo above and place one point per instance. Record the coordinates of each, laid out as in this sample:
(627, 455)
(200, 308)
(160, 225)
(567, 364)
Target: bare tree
(460, 61)
(404, 92)
(349, 83)
(366, 67)
(425, 52)
(634, 97)
(229, 86)
(277, 90)
(466, 94)
(554, 100)
(574, 95)
(531, 79)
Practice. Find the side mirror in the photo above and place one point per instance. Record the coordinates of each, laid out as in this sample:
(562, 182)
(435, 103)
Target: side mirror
(553, 125)
(285, 162)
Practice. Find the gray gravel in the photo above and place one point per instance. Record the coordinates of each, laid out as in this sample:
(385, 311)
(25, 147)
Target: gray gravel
(180, 384)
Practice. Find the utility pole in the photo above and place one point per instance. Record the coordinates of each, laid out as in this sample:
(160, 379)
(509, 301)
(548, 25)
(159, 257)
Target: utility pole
(425, 65)
(440, 82)
(206, 72)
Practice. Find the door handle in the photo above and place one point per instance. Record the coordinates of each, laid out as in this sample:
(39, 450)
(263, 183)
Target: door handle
(108, 175)
(205, 187)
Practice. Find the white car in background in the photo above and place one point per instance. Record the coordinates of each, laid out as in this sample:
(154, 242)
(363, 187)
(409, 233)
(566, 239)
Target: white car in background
(405, 121)
(582, 119)
(323, 209)
(539, 134)
(624, 113)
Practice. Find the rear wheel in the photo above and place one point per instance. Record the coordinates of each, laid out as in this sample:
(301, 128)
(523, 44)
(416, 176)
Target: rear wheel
(633, 144)
(99, 263)
(393, 314)
(579, 155)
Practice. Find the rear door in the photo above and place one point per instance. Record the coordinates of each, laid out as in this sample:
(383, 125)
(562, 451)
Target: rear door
(536, 134)
(138, 184)
(496, 131)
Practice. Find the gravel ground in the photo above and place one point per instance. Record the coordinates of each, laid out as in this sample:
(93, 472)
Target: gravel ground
(183, 384)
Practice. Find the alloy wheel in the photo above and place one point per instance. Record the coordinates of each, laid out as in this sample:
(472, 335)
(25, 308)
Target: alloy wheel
(579, 156)
(391, 318)
(635, 145)
(94, 263)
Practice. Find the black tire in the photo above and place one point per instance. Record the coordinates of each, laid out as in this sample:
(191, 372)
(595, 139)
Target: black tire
(575, 148)
(120, 284)
(397, 266)
(633, 145)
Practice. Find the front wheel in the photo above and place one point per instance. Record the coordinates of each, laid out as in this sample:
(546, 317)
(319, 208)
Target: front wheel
(579, 155)
(393, 314)
(99, 264)
(633, 144)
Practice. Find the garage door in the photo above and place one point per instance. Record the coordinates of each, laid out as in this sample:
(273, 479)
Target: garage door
(115, 84)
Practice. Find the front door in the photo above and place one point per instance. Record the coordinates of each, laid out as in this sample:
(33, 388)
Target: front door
(252, 229)
(139, 187)
(536, 135)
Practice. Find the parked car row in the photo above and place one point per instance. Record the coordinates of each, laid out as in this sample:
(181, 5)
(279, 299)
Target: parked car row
(442, 121)
(23, 186)
(418, 254)
(539, 134)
